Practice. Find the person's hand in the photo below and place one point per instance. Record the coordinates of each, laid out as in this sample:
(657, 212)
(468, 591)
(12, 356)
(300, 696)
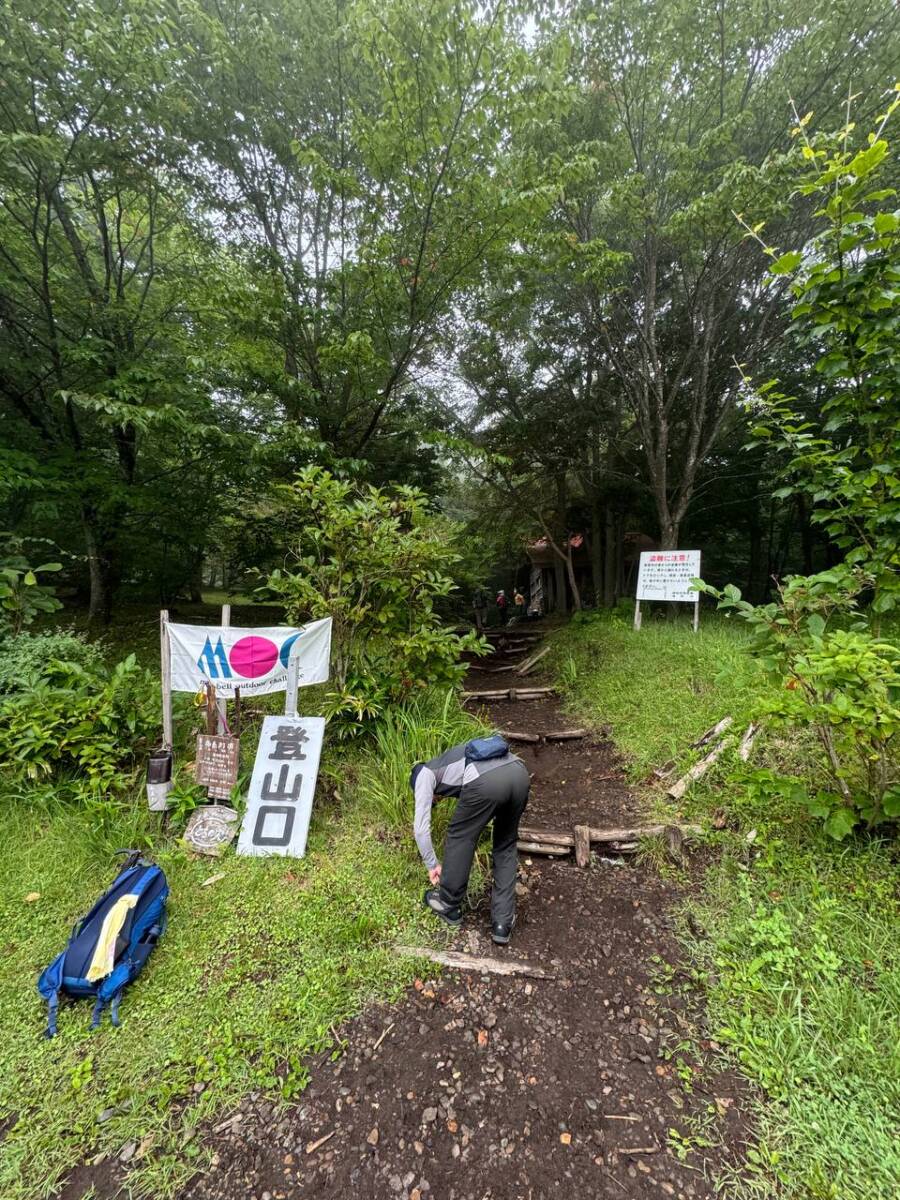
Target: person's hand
(435, 875)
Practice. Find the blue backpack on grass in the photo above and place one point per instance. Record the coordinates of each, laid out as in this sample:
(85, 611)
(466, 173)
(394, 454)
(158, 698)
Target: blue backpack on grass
(109, 946)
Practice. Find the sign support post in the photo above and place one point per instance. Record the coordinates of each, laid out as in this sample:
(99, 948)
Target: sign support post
(222, 705)
(292, 686)
(637, 614)
(697, 613)
(166, 657)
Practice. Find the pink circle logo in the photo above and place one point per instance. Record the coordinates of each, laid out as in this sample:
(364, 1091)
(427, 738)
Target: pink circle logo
(253, 656)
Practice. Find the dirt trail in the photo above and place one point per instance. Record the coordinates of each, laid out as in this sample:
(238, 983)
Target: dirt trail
(481, 1086)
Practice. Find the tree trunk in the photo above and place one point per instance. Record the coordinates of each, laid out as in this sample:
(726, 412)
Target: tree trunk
(561, 539)
(196, 584)
(609, 557)
(102, 552)
(753, 589)
(597, 550)
(573, 582)
(620, 556)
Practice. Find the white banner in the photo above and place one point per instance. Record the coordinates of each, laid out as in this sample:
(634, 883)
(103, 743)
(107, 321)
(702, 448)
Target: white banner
(254, 660)
(279, 802)
(667, 575)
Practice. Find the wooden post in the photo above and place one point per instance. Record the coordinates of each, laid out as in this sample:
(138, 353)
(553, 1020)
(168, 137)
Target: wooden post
(165, 656)
(637, 614)
(212, 713)
(697, 613)
(290, 691)
(582, 846)
(222, 705)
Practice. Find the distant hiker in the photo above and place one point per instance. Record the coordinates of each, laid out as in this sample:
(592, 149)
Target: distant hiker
(519, 602)
(490, 784)
(480, 607)
(502, 605)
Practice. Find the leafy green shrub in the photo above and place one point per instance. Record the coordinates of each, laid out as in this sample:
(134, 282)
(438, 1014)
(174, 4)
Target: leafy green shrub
(841, 683)
(376, 563)
(22, 596)
(28, 658)
(87, 719)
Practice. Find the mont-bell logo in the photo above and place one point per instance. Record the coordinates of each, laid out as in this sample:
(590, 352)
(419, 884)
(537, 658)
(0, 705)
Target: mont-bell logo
(213, 661)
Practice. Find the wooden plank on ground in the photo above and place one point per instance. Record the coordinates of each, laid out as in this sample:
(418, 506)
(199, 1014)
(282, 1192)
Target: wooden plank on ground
(712, 734)
(530, 663)
(677, 790)
(747, 741)
(471, 962)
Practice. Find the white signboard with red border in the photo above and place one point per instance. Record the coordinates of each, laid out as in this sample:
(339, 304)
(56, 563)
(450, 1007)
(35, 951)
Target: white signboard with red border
(666, 575)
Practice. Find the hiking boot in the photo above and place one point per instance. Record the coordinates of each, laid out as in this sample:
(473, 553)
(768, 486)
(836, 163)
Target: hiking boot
(451, 913)
(501, 931)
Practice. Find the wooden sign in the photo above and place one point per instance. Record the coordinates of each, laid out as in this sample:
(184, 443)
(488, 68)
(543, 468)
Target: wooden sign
(667, 575)
(279, 802)
(218, 757)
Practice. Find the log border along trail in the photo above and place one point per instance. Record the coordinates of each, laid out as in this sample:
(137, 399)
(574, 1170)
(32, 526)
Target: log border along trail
(561, 1060)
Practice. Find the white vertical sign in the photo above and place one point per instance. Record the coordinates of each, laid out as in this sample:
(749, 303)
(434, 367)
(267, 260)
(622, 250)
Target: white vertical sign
(280, 799)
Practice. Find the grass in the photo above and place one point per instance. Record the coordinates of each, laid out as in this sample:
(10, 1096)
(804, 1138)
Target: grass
(254, 974)
(801, 958)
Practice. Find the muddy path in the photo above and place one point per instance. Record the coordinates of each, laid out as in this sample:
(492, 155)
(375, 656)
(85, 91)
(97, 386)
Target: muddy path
(475, 1086)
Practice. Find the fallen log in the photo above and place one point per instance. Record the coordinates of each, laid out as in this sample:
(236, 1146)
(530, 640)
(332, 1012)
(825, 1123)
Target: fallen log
(504, 695)
(469, 962)
(496, 670)
(530, 663)
(677, 790)
(747, 741)
(713, 733)
(513, 735)
(543, 849)
(565, 735)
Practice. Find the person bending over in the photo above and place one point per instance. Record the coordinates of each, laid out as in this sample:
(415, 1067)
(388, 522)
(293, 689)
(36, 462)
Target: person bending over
(489, 784)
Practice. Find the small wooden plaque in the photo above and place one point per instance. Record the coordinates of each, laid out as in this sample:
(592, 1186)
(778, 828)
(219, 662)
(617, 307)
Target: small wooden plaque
(218, 757)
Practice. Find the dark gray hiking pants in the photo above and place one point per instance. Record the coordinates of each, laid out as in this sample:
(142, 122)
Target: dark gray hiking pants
(500, 796)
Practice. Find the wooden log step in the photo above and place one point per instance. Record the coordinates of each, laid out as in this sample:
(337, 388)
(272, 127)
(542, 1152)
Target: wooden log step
(544, 849)
(496, 670)
(512, 735)
(546, 836)
(604, 837)
(565, 735)
(511, 694)
(470, 962)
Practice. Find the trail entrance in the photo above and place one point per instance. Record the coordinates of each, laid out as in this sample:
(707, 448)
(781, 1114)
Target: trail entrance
(482, 1085)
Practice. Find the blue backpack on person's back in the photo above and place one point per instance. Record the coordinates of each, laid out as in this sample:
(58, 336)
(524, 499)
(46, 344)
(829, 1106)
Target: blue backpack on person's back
(482, 749)
(109, 946)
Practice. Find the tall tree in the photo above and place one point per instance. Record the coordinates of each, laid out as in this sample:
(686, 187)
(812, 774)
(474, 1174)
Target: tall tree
(100, 260)
(368, 167)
